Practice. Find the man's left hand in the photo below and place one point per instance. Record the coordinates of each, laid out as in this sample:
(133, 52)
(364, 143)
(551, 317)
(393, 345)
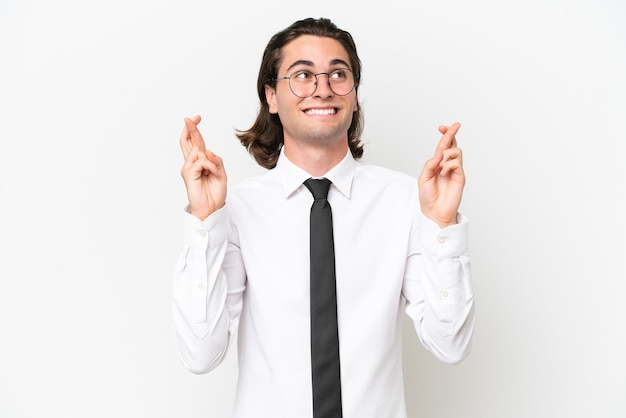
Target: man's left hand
(442, 180)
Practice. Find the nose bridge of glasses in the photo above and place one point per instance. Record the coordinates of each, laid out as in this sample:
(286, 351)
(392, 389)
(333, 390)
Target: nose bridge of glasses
(327, 74)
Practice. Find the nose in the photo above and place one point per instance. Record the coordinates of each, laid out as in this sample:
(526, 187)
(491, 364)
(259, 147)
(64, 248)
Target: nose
(322, 87)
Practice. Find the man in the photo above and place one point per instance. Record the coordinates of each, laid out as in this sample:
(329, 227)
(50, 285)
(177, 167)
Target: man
(246, 269)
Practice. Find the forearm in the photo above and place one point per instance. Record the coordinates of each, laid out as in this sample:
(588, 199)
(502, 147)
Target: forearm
(447, 325)
(200, 293)
(439, 292)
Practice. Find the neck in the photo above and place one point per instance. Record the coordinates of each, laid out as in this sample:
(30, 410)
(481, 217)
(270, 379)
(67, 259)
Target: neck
(316, 160)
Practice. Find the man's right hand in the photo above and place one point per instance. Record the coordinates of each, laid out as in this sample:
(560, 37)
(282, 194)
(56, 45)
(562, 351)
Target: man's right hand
(203, 172)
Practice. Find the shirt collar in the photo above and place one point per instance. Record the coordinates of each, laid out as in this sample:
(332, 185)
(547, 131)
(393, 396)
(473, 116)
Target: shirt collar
(293, 176)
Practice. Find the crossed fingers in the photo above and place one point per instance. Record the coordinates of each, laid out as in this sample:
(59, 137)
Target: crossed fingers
(447, 151)
(191, 137)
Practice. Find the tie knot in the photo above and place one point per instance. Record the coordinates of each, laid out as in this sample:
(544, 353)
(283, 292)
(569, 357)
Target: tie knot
(318, 187)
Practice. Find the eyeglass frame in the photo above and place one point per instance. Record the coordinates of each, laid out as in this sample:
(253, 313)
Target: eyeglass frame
(354, 85)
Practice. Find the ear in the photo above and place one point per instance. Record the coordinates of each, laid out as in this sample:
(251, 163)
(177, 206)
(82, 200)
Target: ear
(270, 96)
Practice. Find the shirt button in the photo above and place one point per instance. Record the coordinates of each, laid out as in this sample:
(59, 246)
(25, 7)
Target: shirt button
(441, 240)
(201, 285)
(444, 294)
(203, 234)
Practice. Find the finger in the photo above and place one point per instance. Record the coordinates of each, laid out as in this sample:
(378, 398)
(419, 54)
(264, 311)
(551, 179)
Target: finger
(448, 139)
(204, 167)
(185, 141)
(431, 167)
(443, 129)
(451, 167)
(193, 156)
(208, 160)
(197, 165)
(450, 154)
(216, 160)
(452, 161)
(194, 134)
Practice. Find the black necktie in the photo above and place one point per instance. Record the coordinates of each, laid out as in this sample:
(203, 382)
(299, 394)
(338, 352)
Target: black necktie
(324, 334)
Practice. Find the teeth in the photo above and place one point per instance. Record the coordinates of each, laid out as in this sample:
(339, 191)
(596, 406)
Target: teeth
(331, 111)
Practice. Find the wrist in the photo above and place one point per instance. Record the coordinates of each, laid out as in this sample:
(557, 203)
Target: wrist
(442, 222)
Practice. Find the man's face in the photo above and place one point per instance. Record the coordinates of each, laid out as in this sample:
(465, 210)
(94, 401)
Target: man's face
(324, 117)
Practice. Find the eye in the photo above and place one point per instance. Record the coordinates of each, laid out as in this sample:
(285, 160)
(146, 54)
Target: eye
(302, 75)
(340, 74)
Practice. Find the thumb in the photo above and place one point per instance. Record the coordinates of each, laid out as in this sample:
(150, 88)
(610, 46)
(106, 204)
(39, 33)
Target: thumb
(430, 168)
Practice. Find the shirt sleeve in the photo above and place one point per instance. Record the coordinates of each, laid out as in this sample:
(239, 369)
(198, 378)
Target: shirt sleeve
(438, 290)
(207, 286)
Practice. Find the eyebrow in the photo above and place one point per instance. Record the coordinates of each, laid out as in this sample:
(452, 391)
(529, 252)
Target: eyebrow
(307, 63)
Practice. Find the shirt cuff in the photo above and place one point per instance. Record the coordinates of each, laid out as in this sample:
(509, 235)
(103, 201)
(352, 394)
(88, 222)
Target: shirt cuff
(202, 234)
(450, 241)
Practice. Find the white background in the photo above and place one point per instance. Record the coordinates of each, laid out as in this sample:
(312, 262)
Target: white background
(92, 98)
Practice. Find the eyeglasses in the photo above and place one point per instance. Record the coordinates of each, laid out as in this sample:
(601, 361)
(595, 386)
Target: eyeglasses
(303, 83)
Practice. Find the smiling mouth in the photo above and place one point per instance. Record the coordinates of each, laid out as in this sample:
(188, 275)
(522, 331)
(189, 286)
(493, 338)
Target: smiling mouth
(321, 112)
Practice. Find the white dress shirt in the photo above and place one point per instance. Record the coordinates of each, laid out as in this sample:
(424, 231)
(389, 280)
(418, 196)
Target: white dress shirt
(245, 269)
